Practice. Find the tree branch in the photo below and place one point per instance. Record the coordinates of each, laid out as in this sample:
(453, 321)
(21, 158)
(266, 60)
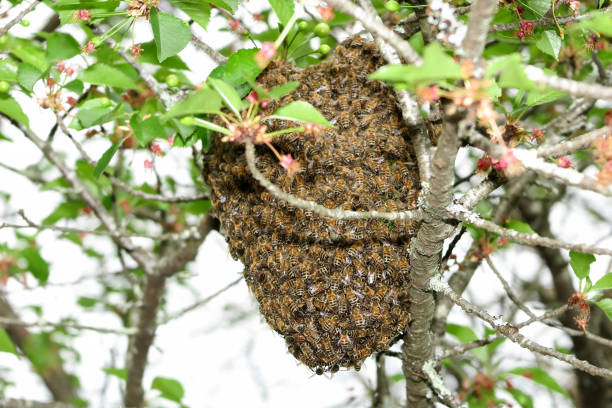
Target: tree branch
(336, 213)
(481, 14)
(29, 8)
(547, 21)
(575, 88)
(512, 332)
(22, 403)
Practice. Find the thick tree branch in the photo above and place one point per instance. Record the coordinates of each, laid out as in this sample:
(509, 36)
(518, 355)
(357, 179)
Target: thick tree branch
(574, 88)
(573, 145)
(481, 14)
(547, 21)
(425, 260)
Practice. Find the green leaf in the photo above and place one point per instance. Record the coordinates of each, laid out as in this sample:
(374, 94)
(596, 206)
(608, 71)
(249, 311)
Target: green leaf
(600, 23)
(519, 226)
(540, 376)
(66, 209)
(581, 263)
(36, 264)
(604, 283)
(462, 333)
(83, 4)
(606, 306)
(283, 10)
(203, 101)
(523, 399)
(301, 111)
(228, 94)
(466, 335)
(149, 56)
(31, 55)
(146, 130)
(11, 108)
(282, 90)
(94, 112)
(541, 97)
(537, 7)
(8, 70)
(6, 345)
(397, 378)
(28, 75)
(550, 43)
(197, 10)
(239, 69)
(76, 86)
(171, 34)
(170, 389)
(512, 73)
(86, 302)
(61, 46)
(106, 158)
(102, 74)
(120, 373)
(436, 65)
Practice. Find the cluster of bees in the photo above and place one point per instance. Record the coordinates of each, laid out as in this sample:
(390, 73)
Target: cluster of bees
(337, 291)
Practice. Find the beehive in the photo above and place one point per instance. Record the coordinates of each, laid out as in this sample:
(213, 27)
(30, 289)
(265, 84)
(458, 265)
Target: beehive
(337, 291)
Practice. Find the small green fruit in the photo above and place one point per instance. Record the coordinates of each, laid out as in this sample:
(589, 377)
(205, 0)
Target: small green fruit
(4, 86)
(392, 5)
(187, 120)
(321, 30)
(105, 102)
(25, 23)
(172, 80)
(324, 49)
(303, 25)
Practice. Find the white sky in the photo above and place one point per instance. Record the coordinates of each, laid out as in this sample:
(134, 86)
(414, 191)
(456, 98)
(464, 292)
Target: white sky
(221, 364)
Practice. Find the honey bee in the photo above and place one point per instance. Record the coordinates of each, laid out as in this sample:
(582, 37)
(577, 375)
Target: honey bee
(338, 260)
(342, 305)
(294, 254)
(316, 288)
(370, 106)
(353, 296)
(371, 138)
(299, 288)
(381, 343)
(354, 250)
(404, 266)
(360, 354)
(381, 291)
(376, 258)
(358, 177)
(355, 106)
(343, 102)
(387, 253)
(345, 342)
(326, 346)
(345, 119)
(331, 299)
(317, 100)
(359, 318)
(371, 276)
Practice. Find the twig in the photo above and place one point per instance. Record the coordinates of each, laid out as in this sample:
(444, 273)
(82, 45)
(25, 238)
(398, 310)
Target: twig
(208, 50)
(336, 213)
(513, 333)
(4, 29)
(437, 384)
(575, 144)
(546, 21)
(369, 22)
(459, 212)
(7, 321)
(22, 403)
(575, 88)
(199, 303)
(114, 180)
(509, 290)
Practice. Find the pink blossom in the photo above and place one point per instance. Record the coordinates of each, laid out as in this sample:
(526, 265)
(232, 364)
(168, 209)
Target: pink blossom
(148, 164)
(171, 140)
(89, 47)
(258, 17)
(252, 97)
(135, 50)
(81, 15)
(326, 12)
(574, 5)
(69, 71)
(60, 67)
(234, 24)
(265, 54)
(156, 149)
(289, 164)
(564, 162)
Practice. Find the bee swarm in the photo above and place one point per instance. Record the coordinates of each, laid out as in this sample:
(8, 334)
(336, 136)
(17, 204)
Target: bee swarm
(337, 291)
